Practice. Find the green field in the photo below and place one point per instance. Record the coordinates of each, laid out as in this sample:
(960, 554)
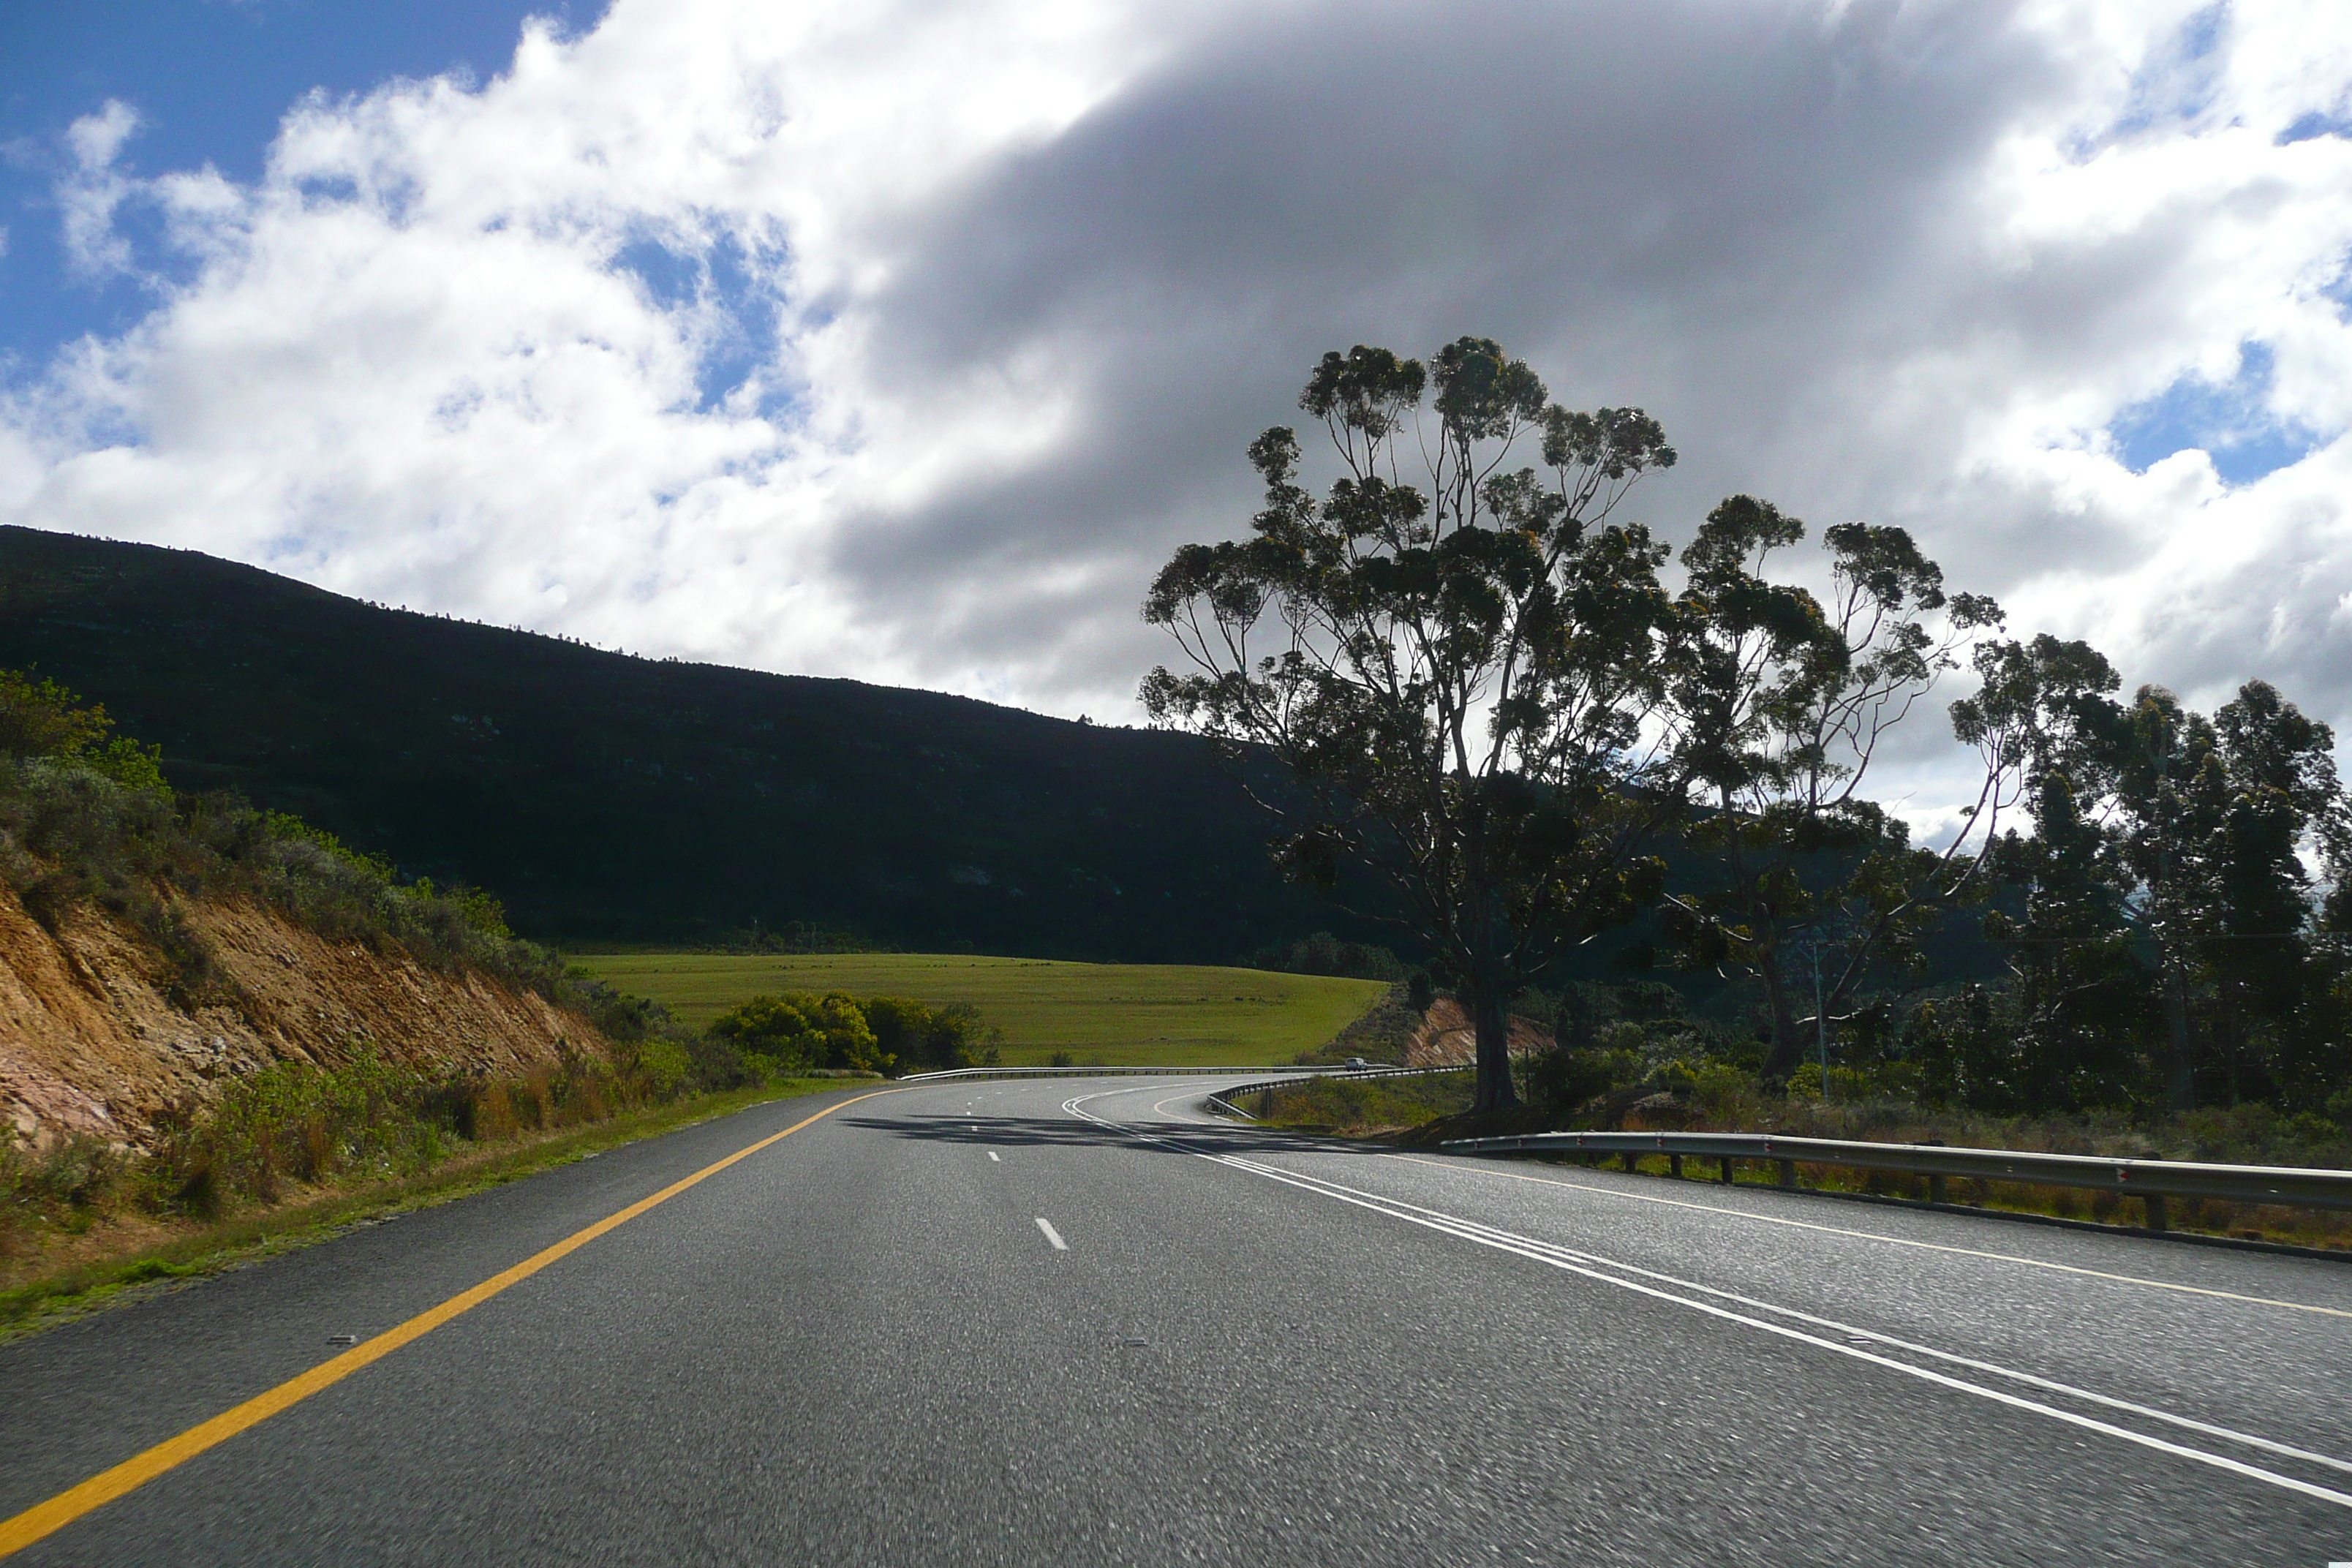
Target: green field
(1143, 1014)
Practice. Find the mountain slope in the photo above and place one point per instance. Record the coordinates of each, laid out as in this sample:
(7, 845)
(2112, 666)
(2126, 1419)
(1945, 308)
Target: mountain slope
(608, 798)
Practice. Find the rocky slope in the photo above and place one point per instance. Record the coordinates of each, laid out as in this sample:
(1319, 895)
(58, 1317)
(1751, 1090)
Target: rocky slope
(1447, 1037)
(92, 1039)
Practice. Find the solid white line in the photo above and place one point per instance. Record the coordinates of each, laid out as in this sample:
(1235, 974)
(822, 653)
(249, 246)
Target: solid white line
(1493, 1169)
(991, 1155)
(1052, 1234)
(1486, 1168)
(1561, 1259)
(2069, 1390)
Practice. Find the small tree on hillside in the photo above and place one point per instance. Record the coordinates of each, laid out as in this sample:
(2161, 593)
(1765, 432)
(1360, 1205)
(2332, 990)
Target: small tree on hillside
(1457, 671)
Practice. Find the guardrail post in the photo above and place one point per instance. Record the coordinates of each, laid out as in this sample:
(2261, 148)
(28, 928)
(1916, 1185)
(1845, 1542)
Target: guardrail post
(1727, 1170)
(1788, 1173)
(2155, 1201)
(1938, 1192)
(1632, 1161)
(1675, 1166)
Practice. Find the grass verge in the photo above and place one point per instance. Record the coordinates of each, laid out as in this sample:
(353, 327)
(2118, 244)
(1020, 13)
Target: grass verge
(1141, 1014)
(1361, 1108)
(195, 1248)
(1364, 1111)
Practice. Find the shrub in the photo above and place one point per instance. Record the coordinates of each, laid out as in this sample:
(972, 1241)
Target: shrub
(920, 1035)
(1566, 1077)
(800, 1030)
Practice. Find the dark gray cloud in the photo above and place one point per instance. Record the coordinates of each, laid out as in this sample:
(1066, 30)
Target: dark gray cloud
(1037, 276)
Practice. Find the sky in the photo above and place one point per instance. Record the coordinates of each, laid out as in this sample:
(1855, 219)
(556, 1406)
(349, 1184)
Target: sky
(904, 340)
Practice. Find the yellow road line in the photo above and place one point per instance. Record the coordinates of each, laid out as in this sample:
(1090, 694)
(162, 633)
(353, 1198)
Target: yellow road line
(1485, 1170)
(62, 1509)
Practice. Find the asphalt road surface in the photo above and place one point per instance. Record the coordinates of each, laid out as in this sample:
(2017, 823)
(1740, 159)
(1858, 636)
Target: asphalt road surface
(1076, 1322)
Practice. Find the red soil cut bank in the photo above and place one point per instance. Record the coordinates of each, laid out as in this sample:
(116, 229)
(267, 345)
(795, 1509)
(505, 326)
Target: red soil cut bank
(92, 1041)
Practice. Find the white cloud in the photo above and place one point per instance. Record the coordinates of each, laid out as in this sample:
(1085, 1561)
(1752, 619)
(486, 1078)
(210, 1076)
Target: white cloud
(903, 342)
(93, 189)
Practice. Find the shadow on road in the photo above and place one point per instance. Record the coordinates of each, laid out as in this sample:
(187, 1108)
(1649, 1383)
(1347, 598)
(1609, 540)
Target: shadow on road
(1070, 1132)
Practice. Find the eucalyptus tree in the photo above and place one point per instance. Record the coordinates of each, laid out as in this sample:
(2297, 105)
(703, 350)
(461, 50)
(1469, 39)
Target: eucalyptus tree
(1782, 701)
(2081, 991)
(1456, 653)
(2214, 815)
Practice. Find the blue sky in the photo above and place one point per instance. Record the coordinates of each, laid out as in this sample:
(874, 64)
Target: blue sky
(210, 80)
(2231, 422)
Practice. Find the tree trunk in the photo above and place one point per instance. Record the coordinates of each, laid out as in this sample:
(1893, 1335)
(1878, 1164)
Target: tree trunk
(2179, 1086)
(1787, 1050)
(1490, 1016)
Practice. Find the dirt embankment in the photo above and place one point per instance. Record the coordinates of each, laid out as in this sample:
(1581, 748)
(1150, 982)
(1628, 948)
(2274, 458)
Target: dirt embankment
(91, 1041)
(1447, 1037)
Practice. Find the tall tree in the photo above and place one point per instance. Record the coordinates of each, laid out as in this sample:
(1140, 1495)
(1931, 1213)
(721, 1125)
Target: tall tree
(1783, 700)
(2080, 989)
(2162, 831)
(1456, 657)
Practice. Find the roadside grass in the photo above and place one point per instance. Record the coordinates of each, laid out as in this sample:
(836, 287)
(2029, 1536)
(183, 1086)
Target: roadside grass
(1426, 1111)
(2320, 1229)
(1361, 1108)
(1141, 1014)
(125, 1256)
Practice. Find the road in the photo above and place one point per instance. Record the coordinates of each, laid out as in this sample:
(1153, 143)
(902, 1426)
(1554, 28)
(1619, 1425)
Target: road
(1076, 1322)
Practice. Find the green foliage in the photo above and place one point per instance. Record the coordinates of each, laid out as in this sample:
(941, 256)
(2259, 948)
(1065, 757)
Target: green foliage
(1323, 953)
(797, 937)
(1455, 672)
(667, 1065)
(1782, 701)
(292, 1123)
(1359, 1105)
(1568, 1079)
(926, 1038)
(43, 718)
(294, 1129)
(800, 1030)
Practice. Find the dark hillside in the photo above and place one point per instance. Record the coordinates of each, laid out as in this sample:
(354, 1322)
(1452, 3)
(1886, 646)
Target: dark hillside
(606, 797)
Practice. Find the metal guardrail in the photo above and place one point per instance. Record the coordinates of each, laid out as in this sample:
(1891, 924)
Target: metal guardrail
(2152, 1179)
(1104, 1072)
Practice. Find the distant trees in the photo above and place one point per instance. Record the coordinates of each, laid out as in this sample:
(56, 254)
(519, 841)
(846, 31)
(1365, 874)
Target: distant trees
(2171, 948)
(1456, 670)
(1486, 698)
(801, 1030)
(1323, 953)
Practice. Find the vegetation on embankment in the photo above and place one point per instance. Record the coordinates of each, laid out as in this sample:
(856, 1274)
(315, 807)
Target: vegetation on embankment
(156, 947)
(1720, 1096)
(289, 1155)
(1125, 1014)
(1362, 1108)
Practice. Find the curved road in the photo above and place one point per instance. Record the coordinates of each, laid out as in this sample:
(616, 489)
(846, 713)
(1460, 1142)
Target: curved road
(1075, 1322)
